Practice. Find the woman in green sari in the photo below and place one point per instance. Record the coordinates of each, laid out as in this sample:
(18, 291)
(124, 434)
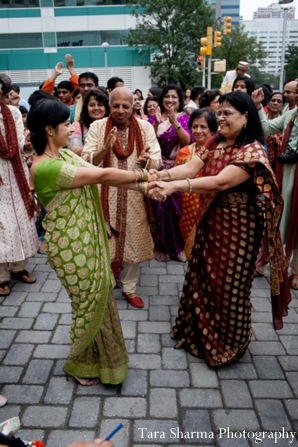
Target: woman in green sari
(77, 243)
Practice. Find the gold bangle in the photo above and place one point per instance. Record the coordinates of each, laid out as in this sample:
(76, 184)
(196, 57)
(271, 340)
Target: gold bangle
(190, 186)
(141, 174)
(142, 187)
(169, 174)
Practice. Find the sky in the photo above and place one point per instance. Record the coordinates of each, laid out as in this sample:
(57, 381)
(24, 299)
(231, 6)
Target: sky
(247, 8)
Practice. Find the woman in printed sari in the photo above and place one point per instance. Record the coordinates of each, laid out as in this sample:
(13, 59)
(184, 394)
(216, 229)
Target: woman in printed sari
(170, 124)
(77, 243)
(239, 199)
(202, 124)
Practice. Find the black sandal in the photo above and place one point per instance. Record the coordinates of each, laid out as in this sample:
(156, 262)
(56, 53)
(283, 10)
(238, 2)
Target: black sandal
(20, 276)
(2, 286)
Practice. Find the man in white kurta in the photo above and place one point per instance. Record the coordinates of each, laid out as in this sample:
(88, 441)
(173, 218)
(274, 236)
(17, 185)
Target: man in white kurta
(133, 243)
(18, 236)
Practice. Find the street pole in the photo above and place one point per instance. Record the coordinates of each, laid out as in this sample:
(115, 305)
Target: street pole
(284, 37)
(204, 73)
(105, 45)
(209, 73)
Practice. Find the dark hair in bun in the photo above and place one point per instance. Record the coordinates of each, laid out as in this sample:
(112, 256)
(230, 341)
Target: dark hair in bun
(43, 113)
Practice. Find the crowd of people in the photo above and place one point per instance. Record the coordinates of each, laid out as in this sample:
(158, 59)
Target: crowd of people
(204, 176)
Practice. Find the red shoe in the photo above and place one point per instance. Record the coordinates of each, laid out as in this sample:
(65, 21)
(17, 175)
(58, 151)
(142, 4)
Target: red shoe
(133, 299)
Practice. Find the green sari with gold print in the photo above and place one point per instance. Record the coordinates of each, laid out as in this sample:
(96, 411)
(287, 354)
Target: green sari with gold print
(78, 251)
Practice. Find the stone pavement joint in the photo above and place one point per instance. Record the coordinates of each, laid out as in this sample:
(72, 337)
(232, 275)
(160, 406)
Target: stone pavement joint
(168, 392)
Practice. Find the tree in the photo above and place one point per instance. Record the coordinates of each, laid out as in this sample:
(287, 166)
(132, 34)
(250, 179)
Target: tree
(170, 31)
(261, 77)
(239, 46)
(291, 61)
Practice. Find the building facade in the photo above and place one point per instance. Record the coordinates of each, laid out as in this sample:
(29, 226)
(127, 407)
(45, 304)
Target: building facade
(267, 27)
(36, 34)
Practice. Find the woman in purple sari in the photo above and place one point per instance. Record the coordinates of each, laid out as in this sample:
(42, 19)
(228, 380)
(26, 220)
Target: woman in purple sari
(170, 123)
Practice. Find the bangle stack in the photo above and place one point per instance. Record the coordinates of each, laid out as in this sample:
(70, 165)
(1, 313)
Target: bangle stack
(169, 174)
(190, 186)
(142, 175)
(142, 187)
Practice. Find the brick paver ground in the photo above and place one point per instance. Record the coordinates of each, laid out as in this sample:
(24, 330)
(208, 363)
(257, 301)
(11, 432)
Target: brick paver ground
(168, 394)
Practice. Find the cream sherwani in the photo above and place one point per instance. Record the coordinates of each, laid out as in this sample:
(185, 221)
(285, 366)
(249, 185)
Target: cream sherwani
(18, 236)
(127, 208)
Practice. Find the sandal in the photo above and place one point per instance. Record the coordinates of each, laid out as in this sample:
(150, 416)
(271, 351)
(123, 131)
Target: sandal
(258, 274)
(2, 286)
(84, 382)
(21, 276)
(291, 280)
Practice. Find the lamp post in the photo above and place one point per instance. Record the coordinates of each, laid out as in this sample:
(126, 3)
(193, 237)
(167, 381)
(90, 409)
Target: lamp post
(105, 46)
(284, 32)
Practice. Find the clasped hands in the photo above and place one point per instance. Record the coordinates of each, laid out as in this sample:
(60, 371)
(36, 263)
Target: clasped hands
(157, 189)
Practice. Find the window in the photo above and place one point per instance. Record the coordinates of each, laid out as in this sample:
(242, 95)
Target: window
(59, 3)
(91, 38)
(19, 4)
(28, 40)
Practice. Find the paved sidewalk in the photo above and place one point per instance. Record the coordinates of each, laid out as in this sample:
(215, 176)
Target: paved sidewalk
(168, 393)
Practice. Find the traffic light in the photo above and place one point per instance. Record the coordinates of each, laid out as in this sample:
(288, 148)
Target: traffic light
(209, 40)
(200, 63)
(217, 39)
(227, 24)
(203, 49)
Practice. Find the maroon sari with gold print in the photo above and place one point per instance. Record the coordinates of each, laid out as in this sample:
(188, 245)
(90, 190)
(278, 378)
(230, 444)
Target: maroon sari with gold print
(214, 317)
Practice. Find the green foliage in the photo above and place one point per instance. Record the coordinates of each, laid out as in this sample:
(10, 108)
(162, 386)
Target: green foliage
(261, 77)
(170, 30)
(239, 46)
(291, 61)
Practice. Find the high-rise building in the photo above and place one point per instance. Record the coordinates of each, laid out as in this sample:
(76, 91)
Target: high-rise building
(36, 34)
(223, 8)
(267, 27)
(274, 11)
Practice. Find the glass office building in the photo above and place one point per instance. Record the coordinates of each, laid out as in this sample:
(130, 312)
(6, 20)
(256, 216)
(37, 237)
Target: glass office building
(36, 34)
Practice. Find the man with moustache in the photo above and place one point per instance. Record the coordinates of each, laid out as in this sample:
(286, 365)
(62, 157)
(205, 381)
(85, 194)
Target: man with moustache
(125, 212)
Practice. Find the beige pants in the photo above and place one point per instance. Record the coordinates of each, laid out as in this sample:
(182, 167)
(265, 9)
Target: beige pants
(14, 267)
(129, 277)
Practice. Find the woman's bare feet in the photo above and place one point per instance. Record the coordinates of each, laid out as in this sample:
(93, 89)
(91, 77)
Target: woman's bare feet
(4, 288)
(84, 382)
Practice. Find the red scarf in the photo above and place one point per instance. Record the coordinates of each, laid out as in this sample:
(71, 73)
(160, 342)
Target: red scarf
(134, 137)
(9, 150)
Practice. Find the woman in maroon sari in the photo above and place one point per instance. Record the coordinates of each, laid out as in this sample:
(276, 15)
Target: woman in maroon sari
(239, 200)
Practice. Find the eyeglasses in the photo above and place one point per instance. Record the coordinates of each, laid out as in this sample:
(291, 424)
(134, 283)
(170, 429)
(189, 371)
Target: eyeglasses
(89, 85)
(63, 92)
(289, 92)
(279, 101)
(225, 113)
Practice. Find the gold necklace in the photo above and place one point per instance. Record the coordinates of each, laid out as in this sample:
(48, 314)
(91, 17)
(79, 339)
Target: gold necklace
(50, 156)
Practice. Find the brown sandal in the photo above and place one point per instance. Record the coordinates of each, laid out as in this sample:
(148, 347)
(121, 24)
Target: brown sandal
(294, 276)
(21, 276)
(2, 286)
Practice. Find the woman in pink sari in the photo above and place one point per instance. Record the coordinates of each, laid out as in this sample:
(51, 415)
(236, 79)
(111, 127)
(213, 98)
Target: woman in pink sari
(171, 126)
